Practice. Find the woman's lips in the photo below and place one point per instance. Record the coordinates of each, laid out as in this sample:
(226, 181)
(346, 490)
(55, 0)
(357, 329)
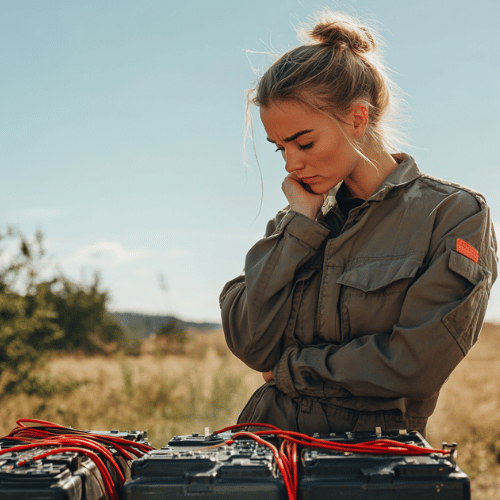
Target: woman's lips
(307, 179)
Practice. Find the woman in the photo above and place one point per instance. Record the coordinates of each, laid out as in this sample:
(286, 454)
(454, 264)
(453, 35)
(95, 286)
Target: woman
(372, 285)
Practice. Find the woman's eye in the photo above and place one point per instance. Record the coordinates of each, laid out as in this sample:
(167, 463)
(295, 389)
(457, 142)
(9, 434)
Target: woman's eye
(279, 149)
(306, 146)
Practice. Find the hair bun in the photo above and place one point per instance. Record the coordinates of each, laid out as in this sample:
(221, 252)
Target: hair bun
(339, 29)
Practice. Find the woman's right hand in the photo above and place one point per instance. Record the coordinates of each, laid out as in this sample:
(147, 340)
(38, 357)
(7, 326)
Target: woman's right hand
(300, 199)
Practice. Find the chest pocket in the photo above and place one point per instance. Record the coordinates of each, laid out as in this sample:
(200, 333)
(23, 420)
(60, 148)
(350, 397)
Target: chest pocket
(373, 292)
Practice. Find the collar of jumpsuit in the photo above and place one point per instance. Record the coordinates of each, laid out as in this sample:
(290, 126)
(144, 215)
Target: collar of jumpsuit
(339, 195)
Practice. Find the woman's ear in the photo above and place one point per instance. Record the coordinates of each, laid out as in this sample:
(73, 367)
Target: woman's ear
(358, 116)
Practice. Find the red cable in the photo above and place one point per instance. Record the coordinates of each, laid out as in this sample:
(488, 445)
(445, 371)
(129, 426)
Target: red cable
(279, 461)
(381, 446)
(108, 480)
(60, 448)
(84, 443)
(287, 466)
(292, 450)
(239, 426)
(72, 441)
(38, 421)
(123, 446)
(378, 447)
(115, 439)
(64, 439)
(287, 460)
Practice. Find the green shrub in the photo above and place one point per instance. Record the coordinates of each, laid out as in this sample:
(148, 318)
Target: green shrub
(38, 315)
(28, 324)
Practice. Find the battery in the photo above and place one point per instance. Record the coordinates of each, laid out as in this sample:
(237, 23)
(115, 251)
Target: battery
(64, 476)
(189, 467)
(328, 474)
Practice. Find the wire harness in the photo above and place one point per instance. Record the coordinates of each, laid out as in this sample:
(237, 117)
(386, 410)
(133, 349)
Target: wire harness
(50, 439)
(111, 454)
(286, 453)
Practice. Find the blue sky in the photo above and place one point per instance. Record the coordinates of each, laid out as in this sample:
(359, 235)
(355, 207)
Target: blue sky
(122, 124)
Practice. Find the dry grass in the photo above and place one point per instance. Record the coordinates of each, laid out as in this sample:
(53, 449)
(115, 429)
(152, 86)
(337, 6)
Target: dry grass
(167, 394)
(468, 413)
(204, 385)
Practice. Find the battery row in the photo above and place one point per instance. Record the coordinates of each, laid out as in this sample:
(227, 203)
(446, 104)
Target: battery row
(206, 467)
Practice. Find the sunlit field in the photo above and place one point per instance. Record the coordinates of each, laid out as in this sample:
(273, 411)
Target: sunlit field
(172, 390)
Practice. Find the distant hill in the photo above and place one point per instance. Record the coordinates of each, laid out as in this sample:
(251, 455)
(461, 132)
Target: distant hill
(144, 325)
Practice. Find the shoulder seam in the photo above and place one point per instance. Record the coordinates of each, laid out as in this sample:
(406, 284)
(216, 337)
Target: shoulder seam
(475, 194)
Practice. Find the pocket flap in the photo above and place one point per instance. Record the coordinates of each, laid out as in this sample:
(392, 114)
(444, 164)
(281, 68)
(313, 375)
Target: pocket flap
(377, 273)
(465, 267)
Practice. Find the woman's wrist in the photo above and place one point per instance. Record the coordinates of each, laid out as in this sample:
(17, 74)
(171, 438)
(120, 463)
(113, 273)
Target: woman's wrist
(310, 212)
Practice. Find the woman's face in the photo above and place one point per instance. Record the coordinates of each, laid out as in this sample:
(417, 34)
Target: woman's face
(315, 150)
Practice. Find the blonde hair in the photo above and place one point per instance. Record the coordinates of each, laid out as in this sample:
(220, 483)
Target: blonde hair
(337, 67)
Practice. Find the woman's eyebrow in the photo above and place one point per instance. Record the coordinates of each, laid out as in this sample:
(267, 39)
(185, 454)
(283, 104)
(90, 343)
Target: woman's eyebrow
(294, 136)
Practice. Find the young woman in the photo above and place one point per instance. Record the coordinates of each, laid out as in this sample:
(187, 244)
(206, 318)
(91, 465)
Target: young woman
(372, 285)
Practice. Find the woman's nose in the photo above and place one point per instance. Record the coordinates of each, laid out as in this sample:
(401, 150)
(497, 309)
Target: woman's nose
(292, 162)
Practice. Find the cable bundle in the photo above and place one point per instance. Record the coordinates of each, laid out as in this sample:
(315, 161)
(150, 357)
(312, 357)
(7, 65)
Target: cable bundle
(108, 451)
(103, 450)
(286, 455)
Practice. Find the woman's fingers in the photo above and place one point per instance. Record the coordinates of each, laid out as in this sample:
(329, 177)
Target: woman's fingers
(301, 199)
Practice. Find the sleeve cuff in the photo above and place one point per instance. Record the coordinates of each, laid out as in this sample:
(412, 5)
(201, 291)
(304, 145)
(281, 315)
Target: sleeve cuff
(282, 375)
(306, 230)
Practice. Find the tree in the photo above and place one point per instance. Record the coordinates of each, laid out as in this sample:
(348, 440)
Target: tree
(172, 337)
(38, 315)
(27, 326)
(83, 316)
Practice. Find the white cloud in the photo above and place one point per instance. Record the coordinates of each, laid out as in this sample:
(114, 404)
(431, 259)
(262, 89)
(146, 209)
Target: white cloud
(107, 253)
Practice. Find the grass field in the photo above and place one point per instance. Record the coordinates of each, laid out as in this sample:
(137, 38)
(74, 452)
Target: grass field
(202, 385)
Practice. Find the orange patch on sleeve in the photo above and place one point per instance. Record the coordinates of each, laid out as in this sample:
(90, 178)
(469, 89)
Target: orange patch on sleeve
(468, 250)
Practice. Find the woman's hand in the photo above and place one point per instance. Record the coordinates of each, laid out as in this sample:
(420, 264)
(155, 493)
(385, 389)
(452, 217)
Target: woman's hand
(268, 376)
(300, 199)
